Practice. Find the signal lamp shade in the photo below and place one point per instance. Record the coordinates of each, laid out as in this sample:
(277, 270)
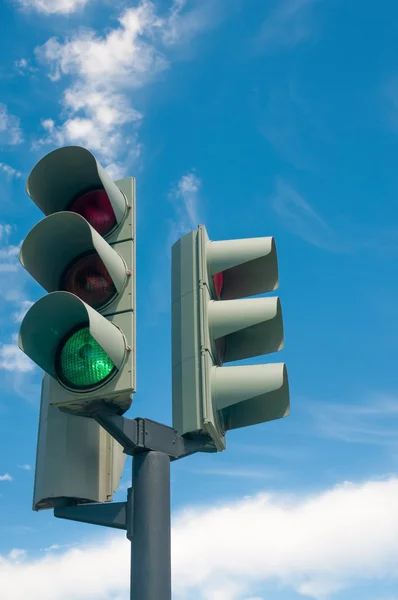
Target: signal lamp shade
(96, 208)
(89, 279)
(82, 362)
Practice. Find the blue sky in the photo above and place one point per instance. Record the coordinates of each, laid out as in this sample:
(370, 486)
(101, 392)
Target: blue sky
(273, 117)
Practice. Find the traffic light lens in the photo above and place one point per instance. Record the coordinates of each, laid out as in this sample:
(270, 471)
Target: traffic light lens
(96, 208)
(83, 362)
(89, 279)
(218, 281)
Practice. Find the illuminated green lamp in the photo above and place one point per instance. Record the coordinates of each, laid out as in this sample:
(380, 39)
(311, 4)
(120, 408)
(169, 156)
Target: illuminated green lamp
(82, 362)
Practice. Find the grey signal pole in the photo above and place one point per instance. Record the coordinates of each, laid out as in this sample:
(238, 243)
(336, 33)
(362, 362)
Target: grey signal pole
(146, 515)
(150, 535)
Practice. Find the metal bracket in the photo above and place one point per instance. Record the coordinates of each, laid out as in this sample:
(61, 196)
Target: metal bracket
(136, 436)
(113, 514)
(141, 435)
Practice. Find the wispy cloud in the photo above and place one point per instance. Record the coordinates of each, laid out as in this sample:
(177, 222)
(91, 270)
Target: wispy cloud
(236, 472)
(25, 467)
(314, 545)
(299, 217)
(185, 201)
(10, 129)
(51, 7)
(289, 24)
(17, 554)
(10, 271)
(9, 253)
(10, 171)
(57, 547)
(6, 477)
(291, 124)
(23, 66)
(12, 359)
(374, 421)
(23, 307)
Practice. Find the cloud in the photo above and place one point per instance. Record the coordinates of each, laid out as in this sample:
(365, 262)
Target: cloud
(10, 171)
(16, 554)
(291, 124)
(235, 472)
(10, 130)
(299, 217)
(374, 421)
(291, 23)
(9, 253)
(25, 467)
(23, 307)
(6, 477)
(315, 545)
(185, 200)
(106, 73)
(23, 66)
(51, 7)
(11, 267)
(13, 359)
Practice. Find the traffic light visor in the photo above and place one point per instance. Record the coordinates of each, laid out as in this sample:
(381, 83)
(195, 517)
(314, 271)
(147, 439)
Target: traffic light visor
(78, 346)
(70, 178)
(63, 252)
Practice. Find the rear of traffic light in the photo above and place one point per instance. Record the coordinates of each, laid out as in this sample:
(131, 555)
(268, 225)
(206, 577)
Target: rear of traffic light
(82, 333)
(212, 324)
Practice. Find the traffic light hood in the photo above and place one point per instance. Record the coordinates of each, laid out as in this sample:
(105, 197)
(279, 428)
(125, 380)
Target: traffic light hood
(65, 174)
(61, 238)
(56, 315)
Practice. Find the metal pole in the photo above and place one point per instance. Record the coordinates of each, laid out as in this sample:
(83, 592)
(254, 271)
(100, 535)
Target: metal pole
(148, 527)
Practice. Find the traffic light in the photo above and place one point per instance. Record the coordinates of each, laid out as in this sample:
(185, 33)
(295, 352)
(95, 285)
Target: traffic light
(83, 253)
(213, 322)
(82, 333)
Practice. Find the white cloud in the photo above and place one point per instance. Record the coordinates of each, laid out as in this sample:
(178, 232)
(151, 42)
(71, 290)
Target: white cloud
(23, 307)
(374, 421)
(17, 553)
(299, 217)
(291, 23)
(10, 130)
(5, 477)
(23, 66)
(316, 545)
(50, 7)
(9, 253)
(10, 171)
(25, 467)
(5, 231)
(13, 359)
(185, 200)
(107, 71)
(236, 472)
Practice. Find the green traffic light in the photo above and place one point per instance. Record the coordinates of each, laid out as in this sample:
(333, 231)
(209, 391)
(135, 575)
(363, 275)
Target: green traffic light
(83, 362)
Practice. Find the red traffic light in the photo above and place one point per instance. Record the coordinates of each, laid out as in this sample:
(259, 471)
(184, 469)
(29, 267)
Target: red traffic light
(218, 281)
(96, 208)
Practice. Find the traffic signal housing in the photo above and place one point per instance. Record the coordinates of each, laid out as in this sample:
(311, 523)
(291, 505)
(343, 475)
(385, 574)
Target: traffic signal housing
(214, 322)
(82, 333)
(83, 253)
